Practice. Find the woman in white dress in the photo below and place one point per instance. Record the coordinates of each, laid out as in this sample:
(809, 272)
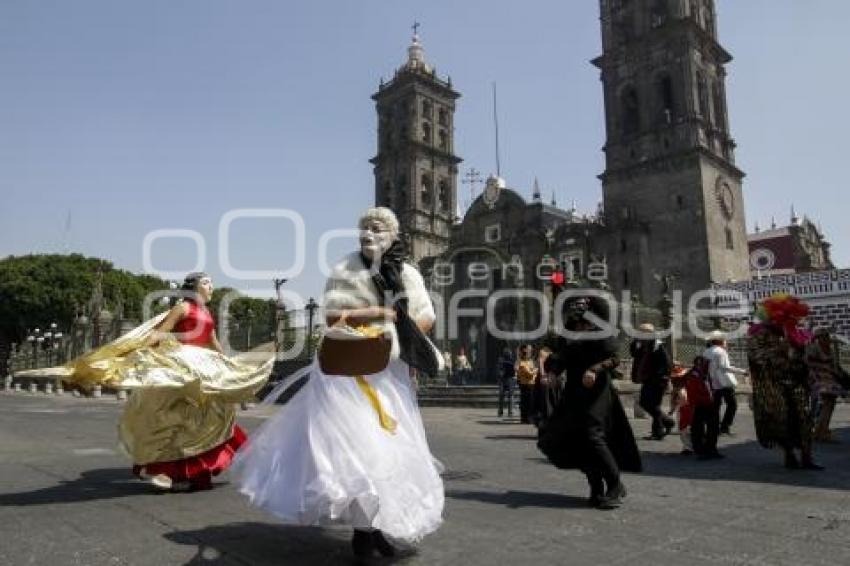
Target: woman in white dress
(352, 450)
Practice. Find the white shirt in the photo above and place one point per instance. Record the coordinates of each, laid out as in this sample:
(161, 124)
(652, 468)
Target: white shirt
(720, 370)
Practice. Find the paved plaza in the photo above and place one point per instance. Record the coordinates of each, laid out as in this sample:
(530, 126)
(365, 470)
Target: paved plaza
(67, 498)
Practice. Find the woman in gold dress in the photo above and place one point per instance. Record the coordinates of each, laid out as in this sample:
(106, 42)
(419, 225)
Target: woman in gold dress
(179, 426)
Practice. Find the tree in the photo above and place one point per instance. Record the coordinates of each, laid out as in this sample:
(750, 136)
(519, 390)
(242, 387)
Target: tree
(36, 290)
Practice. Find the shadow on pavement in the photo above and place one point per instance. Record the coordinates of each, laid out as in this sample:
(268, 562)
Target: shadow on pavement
(516, 499)
(92, 485)
(263, 543)
(748, 461)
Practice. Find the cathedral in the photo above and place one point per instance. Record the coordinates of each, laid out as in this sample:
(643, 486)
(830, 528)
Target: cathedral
(672, 209)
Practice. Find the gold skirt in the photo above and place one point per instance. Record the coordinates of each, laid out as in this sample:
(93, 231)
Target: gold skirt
(183, 396)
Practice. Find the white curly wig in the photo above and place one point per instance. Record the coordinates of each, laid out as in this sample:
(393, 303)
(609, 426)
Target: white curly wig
(381, 214)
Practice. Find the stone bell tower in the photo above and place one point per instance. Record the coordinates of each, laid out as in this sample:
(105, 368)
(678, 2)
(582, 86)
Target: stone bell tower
(672, 191)
(416, 167)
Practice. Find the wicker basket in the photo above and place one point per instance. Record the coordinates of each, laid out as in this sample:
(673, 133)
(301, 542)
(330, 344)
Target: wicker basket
(347, 352)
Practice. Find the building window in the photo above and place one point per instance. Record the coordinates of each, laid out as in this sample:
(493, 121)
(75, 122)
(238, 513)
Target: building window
(445, 201)
(631, 111)
(680, 202)
(624, 246)
(730, 242)
(719, 111)
(443, 117)
(702, 96)
(625, 278)
(665, 95)
(425, 190)
(427, 108)
(426, 132)
(493, 233)
(444, 139)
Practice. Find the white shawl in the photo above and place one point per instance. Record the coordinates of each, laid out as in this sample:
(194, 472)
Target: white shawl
(350, 286)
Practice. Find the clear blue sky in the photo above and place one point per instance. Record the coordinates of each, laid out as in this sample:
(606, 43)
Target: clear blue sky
(136, 116)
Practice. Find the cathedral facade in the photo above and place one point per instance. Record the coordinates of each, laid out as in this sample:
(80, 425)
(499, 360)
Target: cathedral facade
(671, 215)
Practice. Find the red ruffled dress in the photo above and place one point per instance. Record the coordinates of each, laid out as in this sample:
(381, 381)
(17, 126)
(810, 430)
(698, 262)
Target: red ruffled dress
(196, 329)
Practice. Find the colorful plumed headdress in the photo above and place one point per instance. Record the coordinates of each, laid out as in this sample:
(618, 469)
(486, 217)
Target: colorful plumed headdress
(785, 311)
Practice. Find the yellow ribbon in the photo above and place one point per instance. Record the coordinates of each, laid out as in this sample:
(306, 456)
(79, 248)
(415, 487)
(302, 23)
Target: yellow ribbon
(387, 422)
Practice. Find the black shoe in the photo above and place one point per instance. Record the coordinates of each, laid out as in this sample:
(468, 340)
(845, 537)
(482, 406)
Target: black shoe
(655, 437)
(809, 465)
(362, 543)
(382, 545)
(668, 426)
(686, 452)
(726, 431)
(613, 498)
(597, 493)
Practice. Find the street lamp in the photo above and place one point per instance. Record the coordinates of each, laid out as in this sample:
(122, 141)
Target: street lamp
(311, 309)
(31, 340)
(249, 314)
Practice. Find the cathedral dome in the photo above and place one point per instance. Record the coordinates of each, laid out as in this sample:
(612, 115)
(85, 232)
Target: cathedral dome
(416, 56)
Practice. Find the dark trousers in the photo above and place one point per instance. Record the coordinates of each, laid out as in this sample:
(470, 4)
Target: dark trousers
(651, 395)
(726, 394)
(526, 398)
(601, 463)
(506, 392)
(704, 429)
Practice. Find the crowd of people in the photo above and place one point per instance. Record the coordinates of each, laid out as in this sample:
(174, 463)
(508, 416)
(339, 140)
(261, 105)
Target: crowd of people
(795, 375)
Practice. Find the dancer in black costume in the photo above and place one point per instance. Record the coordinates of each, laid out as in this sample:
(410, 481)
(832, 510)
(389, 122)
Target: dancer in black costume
(589, 429)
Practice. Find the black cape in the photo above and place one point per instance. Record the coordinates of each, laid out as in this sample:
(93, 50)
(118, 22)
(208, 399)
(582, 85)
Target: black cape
(564, 436)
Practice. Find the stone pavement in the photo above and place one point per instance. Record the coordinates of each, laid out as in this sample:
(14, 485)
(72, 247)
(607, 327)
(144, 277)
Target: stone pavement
(66, 498)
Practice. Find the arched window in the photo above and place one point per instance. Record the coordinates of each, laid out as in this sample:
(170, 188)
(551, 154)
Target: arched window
(702, 96)
(631, 111)
(730, 242)
(445, 203)
(426, 132)
(719, 110)
(666, 98)
(426, 189)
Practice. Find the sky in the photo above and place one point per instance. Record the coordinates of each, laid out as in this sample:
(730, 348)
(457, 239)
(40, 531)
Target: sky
(118, 119)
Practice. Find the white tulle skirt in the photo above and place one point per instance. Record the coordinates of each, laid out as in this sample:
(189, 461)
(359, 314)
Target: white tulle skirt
(324, 458)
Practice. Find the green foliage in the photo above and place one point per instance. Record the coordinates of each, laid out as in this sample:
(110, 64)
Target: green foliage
(36, 290)
(242, 309)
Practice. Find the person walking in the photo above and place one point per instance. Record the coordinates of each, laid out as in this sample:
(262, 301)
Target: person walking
(825, 377)
(462, 367)
(781, 391)
(526, 372)
(723, 382)
(651, 369)
(589, 429)
(506, 380)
